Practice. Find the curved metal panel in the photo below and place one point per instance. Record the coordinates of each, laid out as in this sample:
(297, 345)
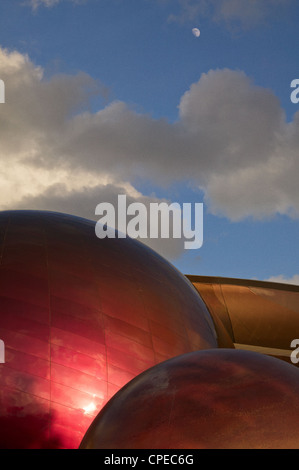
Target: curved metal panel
(214, 399)
(258, 315)
(79, 318)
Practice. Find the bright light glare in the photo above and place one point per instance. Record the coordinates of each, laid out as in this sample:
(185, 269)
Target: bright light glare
(90, 408)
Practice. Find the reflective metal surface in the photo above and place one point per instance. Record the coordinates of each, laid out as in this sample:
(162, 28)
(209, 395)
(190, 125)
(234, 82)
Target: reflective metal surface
(258, 316)
(215, 399)
(80, 317)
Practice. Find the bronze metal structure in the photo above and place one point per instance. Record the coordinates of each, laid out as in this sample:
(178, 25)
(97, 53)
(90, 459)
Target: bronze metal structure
(257, 315)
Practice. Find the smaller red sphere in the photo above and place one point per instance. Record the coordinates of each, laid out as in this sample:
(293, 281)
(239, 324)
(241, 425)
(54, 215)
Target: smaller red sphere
(219, 398)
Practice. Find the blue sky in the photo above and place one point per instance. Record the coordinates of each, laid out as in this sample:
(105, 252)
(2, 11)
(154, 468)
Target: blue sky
(118, 96)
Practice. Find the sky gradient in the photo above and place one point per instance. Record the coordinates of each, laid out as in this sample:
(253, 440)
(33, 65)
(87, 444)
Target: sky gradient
(108, 97)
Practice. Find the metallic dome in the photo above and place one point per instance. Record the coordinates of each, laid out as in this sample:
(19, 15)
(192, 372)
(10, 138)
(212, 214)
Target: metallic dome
(214, 399)
(80, 317)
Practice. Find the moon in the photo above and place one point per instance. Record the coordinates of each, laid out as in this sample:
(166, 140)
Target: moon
(196, 32)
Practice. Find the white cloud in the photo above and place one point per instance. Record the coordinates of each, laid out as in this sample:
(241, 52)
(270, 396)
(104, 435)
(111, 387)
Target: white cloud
(245, 13)
(35, 4)
(47, 3)
(231, 140)
(41, 124)
(292, 280)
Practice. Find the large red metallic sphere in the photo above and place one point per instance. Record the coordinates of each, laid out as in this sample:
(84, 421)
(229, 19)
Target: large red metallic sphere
(214, 399)
(80, 317)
